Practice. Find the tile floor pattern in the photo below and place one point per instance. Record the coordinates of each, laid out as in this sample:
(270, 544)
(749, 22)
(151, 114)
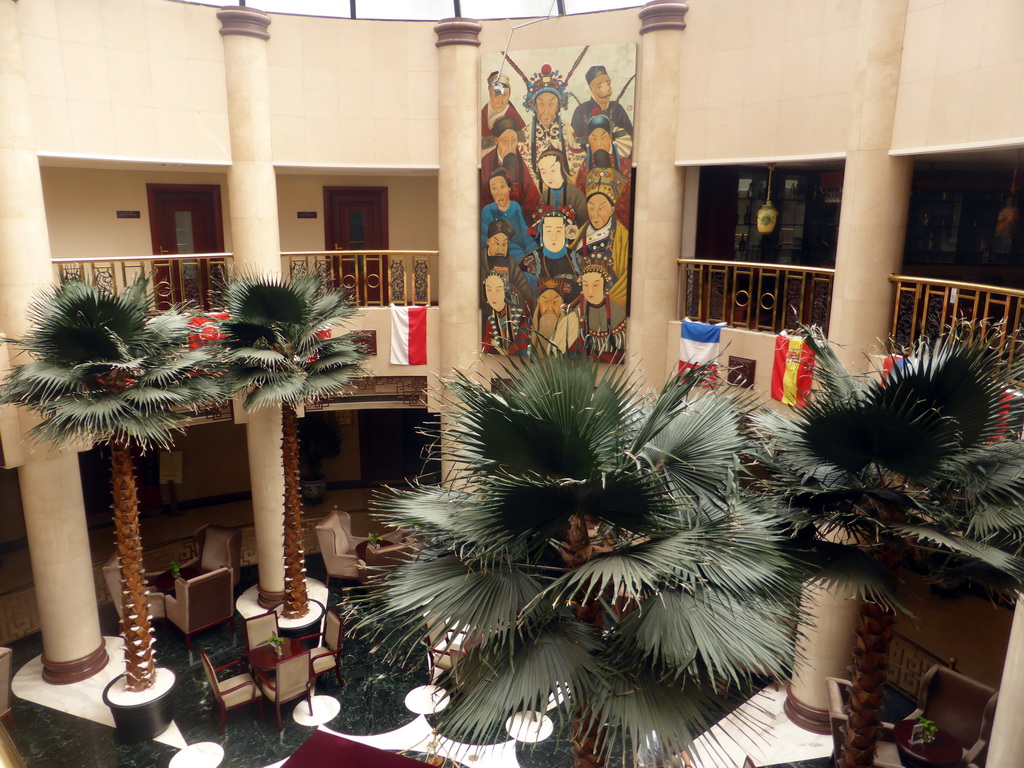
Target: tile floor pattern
(373, 707)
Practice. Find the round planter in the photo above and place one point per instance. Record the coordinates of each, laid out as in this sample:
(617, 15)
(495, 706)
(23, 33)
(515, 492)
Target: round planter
(313, 489)
(141, 716)
(307, 625)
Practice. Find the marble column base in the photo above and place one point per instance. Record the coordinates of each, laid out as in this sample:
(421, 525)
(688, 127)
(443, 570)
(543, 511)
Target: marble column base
(67, 672)
(267, 599)
(249, 605)
(807, 717)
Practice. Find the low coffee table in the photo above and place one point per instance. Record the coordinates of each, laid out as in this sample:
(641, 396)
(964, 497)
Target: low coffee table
(942, 752)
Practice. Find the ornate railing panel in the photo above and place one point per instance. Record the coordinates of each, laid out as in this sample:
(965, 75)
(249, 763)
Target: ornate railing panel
(757, 297)
(926, 308)
(194, 280)
(374, 278)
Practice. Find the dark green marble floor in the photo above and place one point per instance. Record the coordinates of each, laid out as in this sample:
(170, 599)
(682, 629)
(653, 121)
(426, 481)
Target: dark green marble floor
(372, 702)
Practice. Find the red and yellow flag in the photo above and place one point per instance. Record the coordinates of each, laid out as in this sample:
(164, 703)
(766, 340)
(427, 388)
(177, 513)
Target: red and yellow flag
(793, 369)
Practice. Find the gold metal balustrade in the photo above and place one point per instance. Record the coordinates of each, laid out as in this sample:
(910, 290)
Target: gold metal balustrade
(756, 297)
(926, 308)
(374, 278)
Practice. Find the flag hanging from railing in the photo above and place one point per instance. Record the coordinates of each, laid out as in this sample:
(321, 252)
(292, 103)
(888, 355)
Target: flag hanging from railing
(408, 335)
(792, 370)
(699, 343)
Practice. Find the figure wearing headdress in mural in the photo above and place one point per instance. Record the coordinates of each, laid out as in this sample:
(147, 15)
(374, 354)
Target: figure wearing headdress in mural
(499, 188)
(506, 327)
(556, 192)
(552, 259)
(499, 91)
(501, 255)
(546, 97)
(605, 240)
(600, 152)
(555, 330)
(602, 331)
(601, 103)
(505, 154)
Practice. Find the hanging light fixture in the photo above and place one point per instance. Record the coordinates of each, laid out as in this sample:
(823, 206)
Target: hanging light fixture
(767, 214)
(1008, 218)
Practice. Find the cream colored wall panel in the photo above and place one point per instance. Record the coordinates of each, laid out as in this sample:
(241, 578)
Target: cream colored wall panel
(286, 97)
(38, 18)
(421, 88)
(44, 69)
(51, 122)
(803, 18)
(724, 128)
(799, 82)
(170, 79)
(731, 29)
(949, 119)
(913, 112)
(320, 93)
(124, 25)
(391, 142)
(958, 45)
(390, 96)
(85, 71)
(692, 132)
(131, 71)
(320, 44)
(390, 41)
(997, 101)
(167, 27)
(207, 88)
(134, 130)
(696, 86)
(837, 46)
(80, 21)
(841, 14)
(323, 137)
(796, 126)
(419, 38)
(729, 74)
(769, 62)
(759, 127)
(921, 44)
(355, 47)
(92, 127)
(831, 124)
(289, 131)
(1001, 35)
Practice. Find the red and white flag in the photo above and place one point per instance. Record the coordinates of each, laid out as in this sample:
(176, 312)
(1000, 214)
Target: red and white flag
(408, 335)
(699, 344)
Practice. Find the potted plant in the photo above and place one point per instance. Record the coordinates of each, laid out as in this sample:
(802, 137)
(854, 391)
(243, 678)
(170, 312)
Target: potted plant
(175, 569)
(319, 440)
(277, 643)
(373, 541)
(925, 730)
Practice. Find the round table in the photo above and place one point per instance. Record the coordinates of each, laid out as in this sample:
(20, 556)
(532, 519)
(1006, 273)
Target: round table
(361, 547)
(941, 752)
(164, 582)
(264, 658)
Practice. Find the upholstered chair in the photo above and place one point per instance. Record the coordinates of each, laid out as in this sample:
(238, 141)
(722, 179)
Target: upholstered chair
(959, 705)
(259, 629)
(293, 679)
(338, 546)
(5, 686)
(218, 547)
(887, 754)
(201, 603)
(112, 578)
(326, 656)
(236, 691)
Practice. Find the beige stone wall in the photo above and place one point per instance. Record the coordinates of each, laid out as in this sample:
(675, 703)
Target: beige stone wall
(126, 78)
(963, 62)
(355, 93)
(766, 80)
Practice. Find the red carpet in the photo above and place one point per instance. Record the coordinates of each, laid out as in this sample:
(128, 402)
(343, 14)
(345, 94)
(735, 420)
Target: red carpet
(324, 750)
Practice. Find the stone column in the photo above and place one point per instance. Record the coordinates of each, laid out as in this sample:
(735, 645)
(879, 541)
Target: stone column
(657, 219)
(824, 649)
(1006, 746)
(51, 489)
(876, 191)
(458, 206)
(256, 241)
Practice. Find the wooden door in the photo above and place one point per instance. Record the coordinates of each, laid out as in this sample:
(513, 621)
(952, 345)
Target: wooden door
(185, 219)
(357, 220)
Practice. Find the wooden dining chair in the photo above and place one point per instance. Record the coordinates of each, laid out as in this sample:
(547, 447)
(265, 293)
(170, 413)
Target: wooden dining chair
(259, 629)
(291, 680)
(327, 655)
(236, 691)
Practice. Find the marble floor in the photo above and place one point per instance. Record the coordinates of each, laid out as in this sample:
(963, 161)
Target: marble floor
(64, 726)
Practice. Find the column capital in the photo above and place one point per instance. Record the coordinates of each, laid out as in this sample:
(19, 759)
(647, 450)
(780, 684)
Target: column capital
(457, 31)
(662, 14)
(248, 22)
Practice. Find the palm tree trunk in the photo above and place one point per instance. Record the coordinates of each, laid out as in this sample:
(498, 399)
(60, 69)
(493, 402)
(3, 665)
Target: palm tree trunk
(296, 601)
(140, 666)
(874, 634)
(585, 749)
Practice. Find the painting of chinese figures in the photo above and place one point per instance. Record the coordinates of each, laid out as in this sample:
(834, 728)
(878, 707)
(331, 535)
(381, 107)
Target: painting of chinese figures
(556, 142)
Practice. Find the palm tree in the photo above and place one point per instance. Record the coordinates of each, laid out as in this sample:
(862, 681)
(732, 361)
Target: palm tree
(107, 370)
(916, 468)
(596, 546)
(278, 349)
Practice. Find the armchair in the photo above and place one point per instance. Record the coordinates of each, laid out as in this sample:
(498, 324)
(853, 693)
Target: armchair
(218, 547)
(234, 692)
(338, 545)
(201, 603)
(293, 679)
(959, 705)
(112, 578)
(5, 685)
(887, 754)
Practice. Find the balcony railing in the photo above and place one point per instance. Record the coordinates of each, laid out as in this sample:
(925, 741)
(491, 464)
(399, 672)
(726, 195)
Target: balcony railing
(926, 308)
(374, 278)
(195, 280)
(757, 297)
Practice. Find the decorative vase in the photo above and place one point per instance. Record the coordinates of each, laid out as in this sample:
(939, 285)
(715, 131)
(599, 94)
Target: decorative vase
(313, 489)
(767, 216)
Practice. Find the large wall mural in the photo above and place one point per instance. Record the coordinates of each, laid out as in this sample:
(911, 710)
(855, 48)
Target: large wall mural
(556, 136)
